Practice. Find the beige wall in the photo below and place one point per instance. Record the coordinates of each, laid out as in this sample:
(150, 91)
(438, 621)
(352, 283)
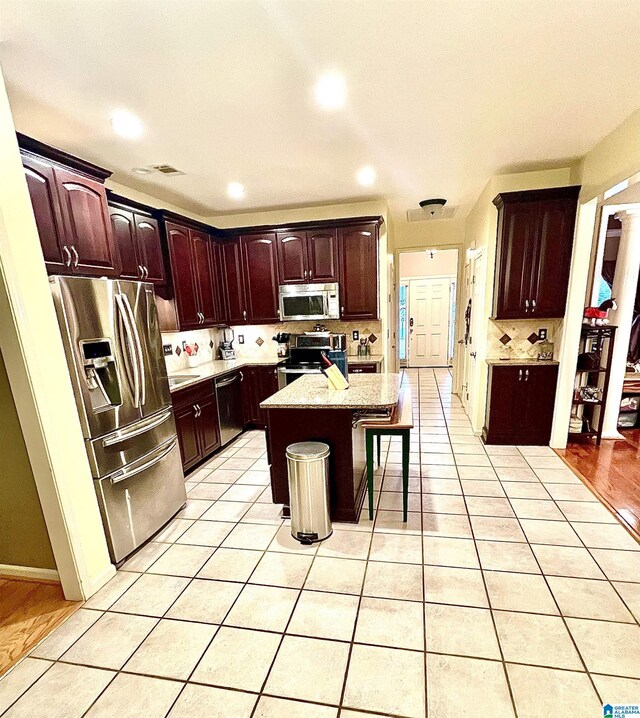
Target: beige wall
(421, 264)
(23, 534)
(431, 233)
(32, 348)
(615, 158)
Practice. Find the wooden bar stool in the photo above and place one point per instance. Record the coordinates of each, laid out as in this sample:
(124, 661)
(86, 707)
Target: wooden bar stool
(400, 425)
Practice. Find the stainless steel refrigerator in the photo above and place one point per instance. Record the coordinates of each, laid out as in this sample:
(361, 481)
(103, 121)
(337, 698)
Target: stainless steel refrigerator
(114, 351)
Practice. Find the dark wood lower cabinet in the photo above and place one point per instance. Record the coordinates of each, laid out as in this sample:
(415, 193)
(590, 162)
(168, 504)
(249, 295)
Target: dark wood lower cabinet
(520, 402)
(260, 382)
(197, 423)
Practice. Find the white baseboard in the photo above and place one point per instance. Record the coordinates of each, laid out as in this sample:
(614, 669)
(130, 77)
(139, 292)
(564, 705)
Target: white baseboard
(98, 582)
(26, 572)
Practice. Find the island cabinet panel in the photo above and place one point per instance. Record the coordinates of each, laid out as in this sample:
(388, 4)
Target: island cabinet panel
(520, 402)
(533, 258)
(358, 251)
(347, 482)
(259, 383)
(197, 422)
(46, 208)
(260, 265)
(87, 224)
(232, 271)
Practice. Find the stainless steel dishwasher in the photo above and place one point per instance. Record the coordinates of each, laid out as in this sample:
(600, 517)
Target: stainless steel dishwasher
(229, 398)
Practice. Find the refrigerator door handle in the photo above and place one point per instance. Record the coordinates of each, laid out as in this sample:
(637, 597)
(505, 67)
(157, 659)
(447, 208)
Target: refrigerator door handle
(124, 316)
(123, 435)
(127, 474)
(138, 347)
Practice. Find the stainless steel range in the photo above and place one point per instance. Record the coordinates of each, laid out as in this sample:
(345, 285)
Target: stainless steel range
(304, 355)
(114, 352)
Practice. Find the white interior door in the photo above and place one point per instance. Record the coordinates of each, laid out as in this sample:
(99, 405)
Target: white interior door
(475, 289)
(429, 312)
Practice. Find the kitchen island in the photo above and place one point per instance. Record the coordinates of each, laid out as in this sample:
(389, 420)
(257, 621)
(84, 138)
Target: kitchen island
(307, 410)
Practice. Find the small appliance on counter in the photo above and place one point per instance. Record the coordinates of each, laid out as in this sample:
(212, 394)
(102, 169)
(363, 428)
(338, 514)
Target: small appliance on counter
(226, 350)
(283, 344)
(305, 355)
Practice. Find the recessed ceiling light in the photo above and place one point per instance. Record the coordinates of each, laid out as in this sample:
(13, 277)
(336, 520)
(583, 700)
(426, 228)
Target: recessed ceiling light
(142, 171)
(331, 91)
(126, 124)
(366, 175)
(235, 190)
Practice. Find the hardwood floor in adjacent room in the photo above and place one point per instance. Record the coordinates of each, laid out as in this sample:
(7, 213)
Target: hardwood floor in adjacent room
(612, 471)
(29, 610)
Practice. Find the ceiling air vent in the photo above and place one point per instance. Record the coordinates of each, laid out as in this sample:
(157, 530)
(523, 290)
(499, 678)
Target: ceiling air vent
(424, 215)
(167, 170)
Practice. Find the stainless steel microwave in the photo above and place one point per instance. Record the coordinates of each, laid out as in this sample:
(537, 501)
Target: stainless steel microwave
(309, 301)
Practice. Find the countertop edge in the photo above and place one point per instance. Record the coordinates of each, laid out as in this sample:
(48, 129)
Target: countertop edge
(208, 374)
(521, 362)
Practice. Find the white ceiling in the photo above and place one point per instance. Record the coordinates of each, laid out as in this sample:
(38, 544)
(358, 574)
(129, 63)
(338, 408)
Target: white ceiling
(442, 93)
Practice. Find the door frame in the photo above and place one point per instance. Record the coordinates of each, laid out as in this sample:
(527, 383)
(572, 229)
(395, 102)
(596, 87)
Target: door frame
(459, 325)
(468, 379)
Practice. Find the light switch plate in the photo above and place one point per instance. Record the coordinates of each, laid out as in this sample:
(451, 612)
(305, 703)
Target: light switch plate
(355, 334)
(167, 349)
(240, 338)
(542, 334)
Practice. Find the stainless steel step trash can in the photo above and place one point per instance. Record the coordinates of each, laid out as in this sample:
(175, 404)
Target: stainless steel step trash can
(308, 468)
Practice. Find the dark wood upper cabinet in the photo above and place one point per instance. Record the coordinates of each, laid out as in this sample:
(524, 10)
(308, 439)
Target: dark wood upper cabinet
(235, 302)
(184, 277)
(533, 257)
(205, 280)
(292, 257)
(358, 252)
(124, 234)
(87, 225)
(136, 233)
(307, 256)
(150, 248)
(46, 208)
(260, 264)
(322, 255)
(520, 404)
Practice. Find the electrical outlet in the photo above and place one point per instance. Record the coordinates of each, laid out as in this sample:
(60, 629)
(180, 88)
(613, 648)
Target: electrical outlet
(240, 338)
(542, 334)
(167, 349)
(355, 335)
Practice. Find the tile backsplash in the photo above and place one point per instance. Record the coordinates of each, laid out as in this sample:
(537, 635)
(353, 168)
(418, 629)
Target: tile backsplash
(258, 342)
(518, 331)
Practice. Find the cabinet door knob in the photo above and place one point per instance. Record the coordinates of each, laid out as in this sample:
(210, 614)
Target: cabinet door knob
(141, 270)
(311, 274)
(305, 273)
(241, 376)
(244, 314)
(526, 305)
(65, 249)
(533, 305)
(76, 259)
(526, 375)
(146, 272)
(520, 375)
(341, 310)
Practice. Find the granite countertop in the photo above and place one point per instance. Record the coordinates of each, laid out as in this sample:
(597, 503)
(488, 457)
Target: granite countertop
(366, 391)
(520, 362)
(373, 359)
(212, 369)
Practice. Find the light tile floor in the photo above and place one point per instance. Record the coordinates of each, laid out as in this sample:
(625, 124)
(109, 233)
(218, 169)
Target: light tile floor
(509, 592)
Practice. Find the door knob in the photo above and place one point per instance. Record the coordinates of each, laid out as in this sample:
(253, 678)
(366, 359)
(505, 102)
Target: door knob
(473, 354)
